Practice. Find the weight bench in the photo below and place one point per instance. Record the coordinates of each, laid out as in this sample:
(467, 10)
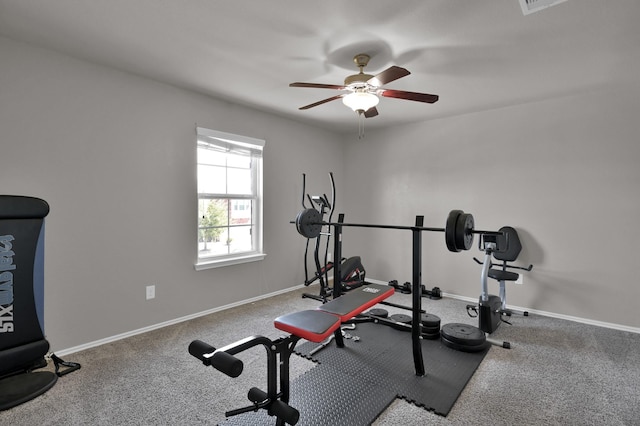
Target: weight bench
(313, 325)
(318, 324)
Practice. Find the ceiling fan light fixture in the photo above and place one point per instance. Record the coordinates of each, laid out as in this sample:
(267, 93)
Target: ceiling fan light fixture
(360, 101)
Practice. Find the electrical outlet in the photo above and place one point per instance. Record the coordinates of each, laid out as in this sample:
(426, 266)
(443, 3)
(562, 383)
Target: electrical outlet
(151, 292)
(520, 279)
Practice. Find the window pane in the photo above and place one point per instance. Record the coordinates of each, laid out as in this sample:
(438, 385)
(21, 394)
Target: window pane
(239, 181)
(240, 212)
(212, 180)
(213, 218)
(239, 161)
(212, 157)
(214, 246)
(240, 239)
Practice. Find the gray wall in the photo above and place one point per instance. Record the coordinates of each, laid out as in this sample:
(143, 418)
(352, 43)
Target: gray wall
(114, 155)
(564, 172)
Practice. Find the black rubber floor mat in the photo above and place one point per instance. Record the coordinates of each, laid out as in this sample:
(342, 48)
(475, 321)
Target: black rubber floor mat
(353, 385)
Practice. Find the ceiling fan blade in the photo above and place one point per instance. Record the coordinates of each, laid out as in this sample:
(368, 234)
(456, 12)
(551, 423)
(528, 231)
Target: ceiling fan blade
(371, 112)
(411, 96)
(387, 76)
(324, 101)
(318, 86)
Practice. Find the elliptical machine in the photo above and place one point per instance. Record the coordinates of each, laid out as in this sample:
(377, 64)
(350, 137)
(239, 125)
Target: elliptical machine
(352, 271)
(492, 310)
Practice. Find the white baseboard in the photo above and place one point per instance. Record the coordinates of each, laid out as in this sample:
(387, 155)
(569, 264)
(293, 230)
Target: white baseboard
(110, 339)
(538, 312)
(543, 313)
(556, 315)
(95, 343)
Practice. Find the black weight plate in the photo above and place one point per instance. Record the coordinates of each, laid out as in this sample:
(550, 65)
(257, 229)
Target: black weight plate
(405, 319)
(430, 320)
(468, 236)
(463, 334)
(429, 330)
(401, 319)
(450, 230)
(464, 234)
(431, 327)
(298, 220)
(309, 223)
(430, 336)
(378, 312)
(463, 348)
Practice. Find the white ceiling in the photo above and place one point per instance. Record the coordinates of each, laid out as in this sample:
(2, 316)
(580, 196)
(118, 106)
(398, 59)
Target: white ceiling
(475, 55)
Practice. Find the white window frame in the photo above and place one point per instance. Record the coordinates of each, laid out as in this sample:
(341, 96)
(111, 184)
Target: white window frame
(221, 139)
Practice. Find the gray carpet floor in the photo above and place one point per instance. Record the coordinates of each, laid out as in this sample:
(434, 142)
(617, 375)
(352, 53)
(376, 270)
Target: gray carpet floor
(557, 373)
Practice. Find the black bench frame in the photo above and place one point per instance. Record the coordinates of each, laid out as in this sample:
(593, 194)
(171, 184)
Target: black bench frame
(313, 325)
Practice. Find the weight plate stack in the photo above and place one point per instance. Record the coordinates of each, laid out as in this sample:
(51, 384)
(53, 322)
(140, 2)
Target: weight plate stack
(463, 337)
(430, 326)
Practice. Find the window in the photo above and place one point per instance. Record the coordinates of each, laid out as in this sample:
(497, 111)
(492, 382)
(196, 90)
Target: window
(229, 199)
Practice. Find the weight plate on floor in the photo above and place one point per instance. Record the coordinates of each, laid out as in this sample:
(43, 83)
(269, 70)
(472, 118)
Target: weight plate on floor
(430, 320)
(378, 312)
(450, 230)
(429, 330)
(431, 336)
(463, 334)
(402, 319)
(463, 348)
(405, 319)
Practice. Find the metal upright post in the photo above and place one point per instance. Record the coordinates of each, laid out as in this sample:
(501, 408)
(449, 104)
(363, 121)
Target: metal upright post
(417, 296)
(337, 270)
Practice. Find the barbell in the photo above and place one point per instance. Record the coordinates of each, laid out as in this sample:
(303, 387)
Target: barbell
(458, 231)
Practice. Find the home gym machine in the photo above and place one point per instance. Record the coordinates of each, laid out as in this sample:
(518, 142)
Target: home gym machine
(318, 324)
(459, 234)
(492, 310)
(353, 273)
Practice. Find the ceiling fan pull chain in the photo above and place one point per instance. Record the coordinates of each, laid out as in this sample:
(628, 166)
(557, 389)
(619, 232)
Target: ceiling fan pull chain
(360, 125)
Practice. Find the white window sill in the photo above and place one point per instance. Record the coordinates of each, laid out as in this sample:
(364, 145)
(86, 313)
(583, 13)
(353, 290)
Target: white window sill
(228, 261)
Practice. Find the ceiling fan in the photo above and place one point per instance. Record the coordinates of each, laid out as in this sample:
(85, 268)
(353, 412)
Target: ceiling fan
(363, 89)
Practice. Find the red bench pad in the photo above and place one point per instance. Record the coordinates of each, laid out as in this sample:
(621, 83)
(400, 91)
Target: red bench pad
(357, 301)
(313, 325)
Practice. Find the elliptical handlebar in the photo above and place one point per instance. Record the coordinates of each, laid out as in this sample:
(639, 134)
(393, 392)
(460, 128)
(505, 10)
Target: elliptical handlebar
(333, 196)
(304, 184)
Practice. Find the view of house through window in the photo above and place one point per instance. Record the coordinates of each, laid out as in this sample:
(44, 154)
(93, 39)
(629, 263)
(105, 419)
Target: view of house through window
(229, 198)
